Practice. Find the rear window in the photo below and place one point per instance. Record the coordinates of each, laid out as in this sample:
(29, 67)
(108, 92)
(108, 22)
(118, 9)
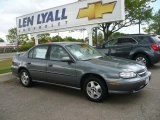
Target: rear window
(144, 39)
(156, 39)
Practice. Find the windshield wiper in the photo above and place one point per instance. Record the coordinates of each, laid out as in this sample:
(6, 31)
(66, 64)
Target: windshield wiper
(87, 59)
(98, 57)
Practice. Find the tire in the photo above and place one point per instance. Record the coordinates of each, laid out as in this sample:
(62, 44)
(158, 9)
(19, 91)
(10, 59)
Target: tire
(25, 78)
(142, 58)
(95, 89)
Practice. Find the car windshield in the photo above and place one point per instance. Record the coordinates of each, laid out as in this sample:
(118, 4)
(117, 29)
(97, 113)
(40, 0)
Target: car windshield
(83, 51)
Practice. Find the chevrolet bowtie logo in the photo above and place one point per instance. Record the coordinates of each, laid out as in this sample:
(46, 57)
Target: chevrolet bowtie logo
(96, 10)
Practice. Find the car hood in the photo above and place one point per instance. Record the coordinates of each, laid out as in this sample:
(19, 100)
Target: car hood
(118, 63)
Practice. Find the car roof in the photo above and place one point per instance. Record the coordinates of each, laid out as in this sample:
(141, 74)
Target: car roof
(63, 43)
(130, 35)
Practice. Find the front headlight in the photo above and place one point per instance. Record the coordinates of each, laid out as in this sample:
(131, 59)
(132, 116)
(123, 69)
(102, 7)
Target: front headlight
(127, 75)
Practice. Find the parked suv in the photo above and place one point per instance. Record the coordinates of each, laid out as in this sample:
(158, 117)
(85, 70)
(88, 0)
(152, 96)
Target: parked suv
(142, 48)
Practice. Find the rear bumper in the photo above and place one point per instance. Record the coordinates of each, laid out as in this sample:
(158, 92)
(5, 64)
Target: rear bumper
(128, 85)
(14, 70)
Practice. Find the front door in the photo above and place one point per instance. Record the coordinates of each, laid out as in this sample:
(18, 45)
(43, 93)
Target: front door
(123, 47)
(58, 71)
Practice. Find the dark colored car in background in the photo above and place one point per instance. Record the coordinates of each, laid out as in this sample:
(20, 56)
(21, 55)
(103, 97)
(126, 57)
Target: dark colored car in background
(142, 48)
(79, 66)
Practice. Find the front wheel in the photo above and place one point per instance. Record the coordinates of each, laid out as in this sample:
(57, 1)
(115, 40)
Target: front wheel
(95, 89)
(25, 78)
(142, 59)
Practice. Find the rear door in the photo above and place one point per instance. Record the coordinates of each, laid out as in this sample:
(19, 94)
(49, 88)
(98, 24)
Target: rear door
(37, 62)
(123, 47)
(60, 72)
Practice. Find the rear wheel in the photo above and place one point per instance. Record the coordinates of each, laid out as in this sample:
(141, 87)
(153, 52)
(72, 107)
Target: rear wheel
(25, 78)
(142, 59)
(95, 89)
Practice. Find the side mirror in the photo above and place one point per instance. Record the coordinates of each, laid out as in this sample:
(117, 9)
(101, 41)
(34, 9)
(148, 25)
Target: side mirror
(66, 59)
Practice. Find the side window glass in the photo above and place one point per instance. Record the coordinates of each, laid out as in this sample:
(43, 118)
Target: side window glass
(126, 41)
(144, 40)
(30, 55)
(57, 53)
(40, 52)
(112, 42)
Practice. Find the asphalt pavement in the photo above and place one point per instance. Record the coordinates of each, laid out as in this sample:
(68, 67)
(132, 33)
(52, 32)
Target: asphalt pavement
(48, 102)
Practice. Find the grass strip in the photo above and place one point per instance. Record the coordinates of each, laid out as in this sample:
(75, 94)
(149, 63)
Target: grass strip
(5, 66)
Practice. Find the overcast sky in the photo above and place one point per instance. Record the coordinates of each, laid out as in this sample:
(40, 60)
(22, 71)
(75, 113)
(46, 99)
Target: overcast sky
(10, 9)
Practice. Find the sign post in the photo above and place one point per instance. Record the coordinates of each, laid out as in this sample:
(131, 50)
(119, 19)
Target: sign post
(71, 16)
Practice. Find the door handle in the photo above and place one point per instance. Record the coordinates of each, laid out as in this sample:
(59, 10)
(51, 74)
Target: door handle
(50, 65)
(29, 63)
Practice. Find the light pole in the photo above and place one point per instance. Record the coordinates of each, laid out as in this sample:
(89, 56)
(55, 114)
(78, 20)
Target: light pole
(139, 9)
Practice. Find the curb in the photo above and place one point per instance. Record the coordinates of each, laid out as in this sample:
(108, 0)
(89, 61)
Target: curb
(6, 74)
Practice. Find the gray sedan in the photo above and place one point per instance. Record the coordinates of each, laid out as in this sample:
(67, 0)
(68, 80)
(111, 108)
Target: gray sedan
(79, 66)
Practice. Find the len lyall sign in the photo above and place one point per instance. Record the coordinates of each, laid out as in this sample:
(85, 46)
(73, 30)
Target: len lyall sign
(78, 14)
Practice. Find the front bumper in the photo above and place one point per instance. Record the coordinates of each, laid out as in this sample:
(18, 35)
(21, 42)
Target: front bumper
(128, 85)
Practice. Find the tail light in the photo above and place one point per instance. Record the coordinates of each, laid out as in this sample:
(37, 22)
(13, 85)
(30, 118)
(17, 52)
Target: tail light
(155, 47)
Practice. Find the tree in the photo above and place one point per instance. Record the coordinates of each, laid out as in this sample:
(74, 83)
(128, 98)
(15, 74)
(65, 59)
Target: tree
(136, 12)
(12, 36)
(43, 38)
(70, 39)
(56, 38)
(116, 35)
(1, 40)
(154, 26)
(99, 39)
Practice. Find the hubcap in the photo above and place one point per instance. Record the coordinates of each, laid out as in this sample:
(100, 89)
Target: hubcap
(94, 90)
(141, 60)
(24, 78)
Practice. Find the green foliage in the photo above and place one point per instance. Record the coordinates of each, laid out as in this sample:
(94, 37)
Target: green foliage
(154, 26)
(5, 66)
(26, 46)
(135, 11)
(116, 35)
(70, 39)
(12, 36)
(1, 40)
(100, 38)
(66, 39)
(44, 38)
(138, 10)
(57, 39)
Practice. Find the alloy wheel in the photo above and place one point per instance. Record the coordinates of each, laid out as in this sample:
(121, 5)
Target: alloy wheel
(141, 60)
(94, 90)
(25, 78)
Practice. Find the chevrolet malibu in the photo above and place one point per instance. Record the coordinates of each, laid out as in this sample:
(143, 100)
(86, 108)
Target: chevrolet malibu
(79, 66)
